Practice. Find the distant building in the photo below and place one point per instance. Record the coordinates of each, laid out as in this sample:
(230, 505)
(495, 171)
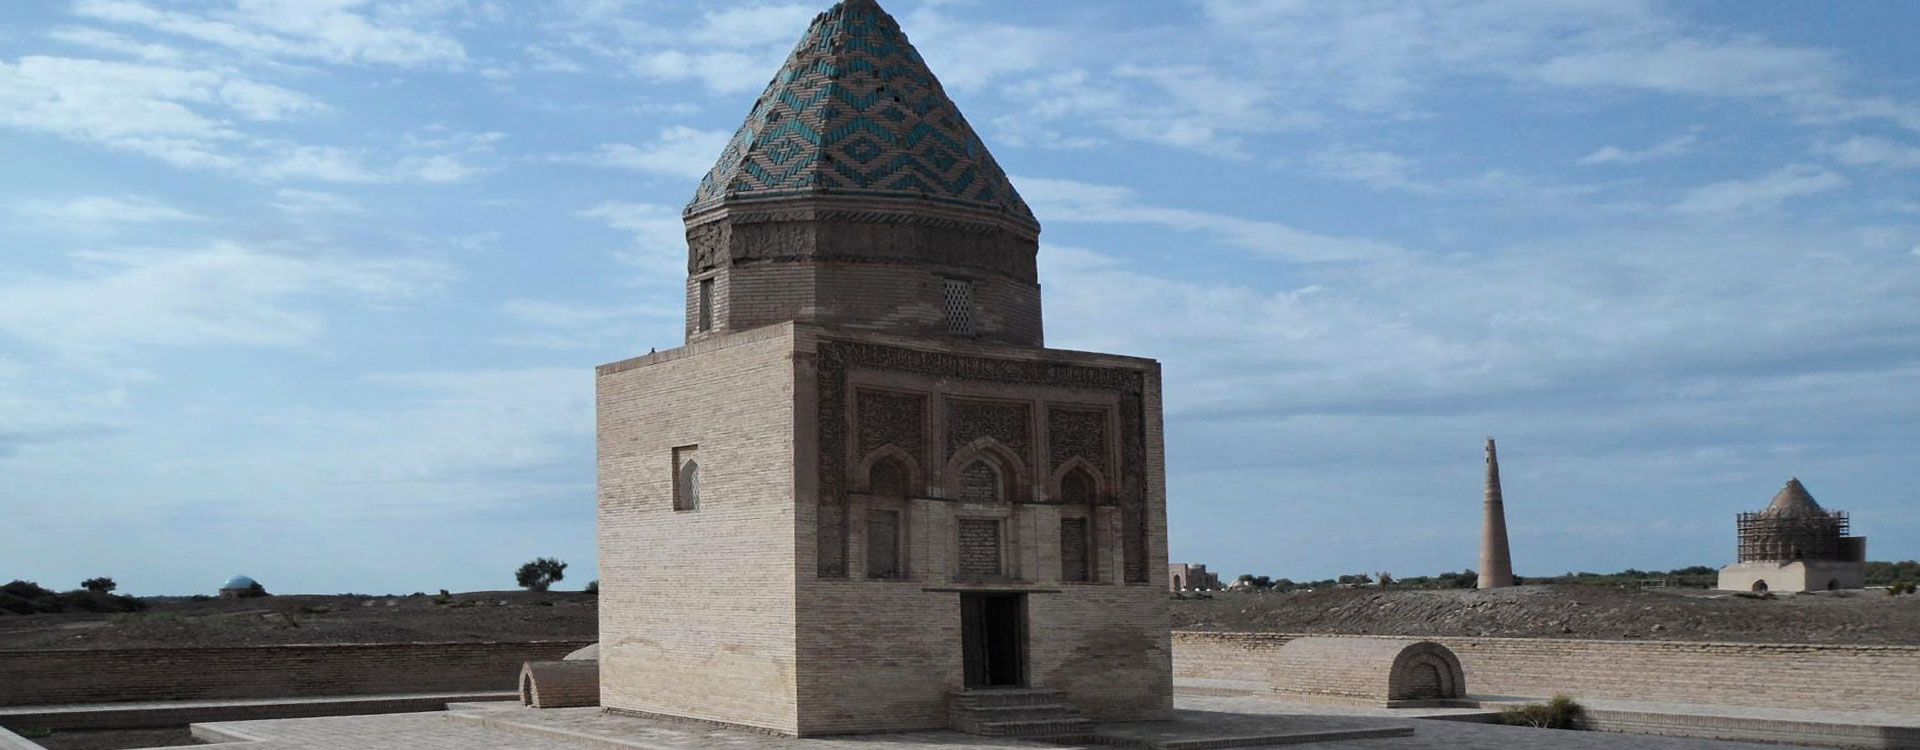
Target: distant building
(1496, 559)
(1795, 545)
(238, 587)
(1191, 577)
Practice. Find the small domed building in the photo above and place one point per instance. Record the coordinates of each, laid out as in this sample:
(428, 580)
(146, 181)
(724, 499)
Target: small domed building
(1796, 545)
(239, 587)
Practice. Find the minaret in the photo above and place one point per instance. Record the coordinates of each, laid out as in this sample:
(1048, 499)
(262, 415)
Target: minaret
(1496, 562)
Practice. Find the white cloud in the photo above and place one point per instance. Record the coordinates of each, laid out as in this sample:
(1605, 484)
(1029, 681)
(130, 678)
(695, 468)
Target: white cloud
(1637, 316)
(327, 30)
(549, 61)
(1870, 151)
(314, 202)
(335, 164)
(561, 314)
(120, 43)
(568, 326)
(1758, 194)
(1735, 68)
(176, 115)
(265, 103)
(222, 294)
(1385, 57)
(754, 25)
(679, 151)
(660, 238)
(722, 72)
(101, 212)
(952, 48)
(1066, 200)
(1375, 168)
(1671, 147)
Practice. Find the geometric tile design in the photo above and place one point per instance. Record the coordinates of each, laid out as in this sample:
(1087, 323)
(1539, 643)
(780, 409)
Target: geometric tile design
(855, 111)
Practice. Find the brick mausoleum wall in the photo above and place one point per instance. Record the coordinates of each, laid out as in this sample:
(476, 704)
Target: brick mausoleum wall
(1858, 678)
(696, 606)
(171, 674)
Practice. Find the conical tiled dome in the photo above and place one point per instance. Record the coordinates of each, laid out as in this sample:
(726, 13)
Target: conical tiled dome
(1793, 500)
(855, 111)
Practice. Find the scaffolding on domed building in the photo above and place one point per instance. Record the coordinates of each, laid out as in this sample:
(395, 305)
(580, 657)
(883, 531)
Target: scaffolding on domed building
(1795, 527)
(1770, 537)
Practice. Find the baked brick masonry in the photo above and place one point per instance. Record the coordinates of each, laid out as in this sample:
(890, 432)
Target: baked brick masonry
(40, 677)
(901, 494)
(1842, 678)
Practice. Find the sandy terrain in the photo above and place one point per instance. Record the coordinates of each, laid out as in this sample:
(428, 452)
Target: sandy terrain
(1857, 617)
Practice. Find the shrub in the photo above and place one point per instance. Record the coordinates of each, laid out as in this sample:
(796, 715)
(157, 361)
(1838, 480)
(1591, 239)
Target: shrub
(593, 587)
(1901, 588)
(1557, 713)
(27, 597)
(101, 585)
(540, 573)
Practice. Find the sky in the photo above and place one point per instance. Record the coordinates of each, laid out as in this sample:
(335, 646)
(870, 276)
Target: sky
(312, 290)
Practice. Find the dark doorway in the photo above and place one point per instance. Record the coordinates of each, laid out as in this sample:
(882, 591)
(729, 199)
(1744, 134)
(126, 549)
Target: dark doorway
(993, 633)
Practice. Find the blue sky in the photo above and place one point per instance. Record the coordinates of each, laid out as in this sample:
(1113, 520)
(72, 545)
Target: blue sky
(311, 290)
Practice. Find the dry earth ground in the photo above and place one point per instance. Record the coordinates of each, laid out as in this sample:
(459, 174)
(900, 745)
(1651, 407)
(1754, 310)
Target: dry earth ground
(1557, 611)
(1560, 611)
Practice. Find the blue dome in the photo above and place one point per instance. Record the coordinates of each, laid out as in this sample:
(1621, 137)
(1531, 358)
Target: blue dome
(238, 582)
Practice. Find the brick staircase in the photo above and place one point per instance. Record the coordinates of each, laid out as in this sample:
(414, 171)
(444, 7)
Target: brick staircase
(1016, 712)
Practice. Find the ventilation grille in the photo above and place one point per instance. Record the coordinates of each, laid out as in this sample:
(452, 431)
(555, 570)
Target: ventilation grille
(959, 298)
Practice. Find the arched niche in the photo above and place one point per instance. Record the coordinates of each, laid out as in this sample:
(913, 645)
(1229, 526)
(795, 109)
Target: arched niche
(889, 471)
(1076, 482)
(985, 471)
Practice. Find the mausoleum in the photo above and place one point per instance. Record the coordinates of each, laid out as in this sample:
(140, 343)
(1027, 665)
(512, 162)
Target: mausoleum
(864, 496)
(1796, 545)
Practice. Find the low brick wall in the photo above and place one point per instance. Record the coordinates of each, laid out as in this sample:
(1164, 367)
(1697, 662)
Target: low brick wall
(1846, 678)
(177, 674)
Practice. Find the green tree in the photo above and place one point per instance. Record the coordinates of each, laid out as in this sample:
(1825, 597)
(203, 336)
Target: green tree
(540, 573)
(101, 585)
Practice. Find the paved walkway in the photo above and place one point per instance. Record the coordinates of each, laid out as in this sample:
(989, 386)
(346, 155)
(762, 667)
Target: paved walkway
(1863, 718)
(439, 731)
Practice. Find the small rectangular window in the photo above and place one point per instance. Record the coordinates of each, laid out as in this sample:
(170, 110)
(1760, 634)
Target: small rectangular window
(959, 304)
(706, 305)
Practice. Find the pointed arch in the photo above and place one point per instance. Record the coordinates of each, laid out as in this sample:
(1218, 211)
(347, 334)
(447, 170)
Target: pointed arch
(1077, 482)
(980, 462)
(686, 494)
(888, 470)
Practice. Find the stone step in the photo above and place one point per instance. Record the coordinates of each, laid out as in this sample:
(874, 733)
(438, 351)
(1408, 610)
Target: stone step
(1017, 713)
(1033, 728)
(1008, 697)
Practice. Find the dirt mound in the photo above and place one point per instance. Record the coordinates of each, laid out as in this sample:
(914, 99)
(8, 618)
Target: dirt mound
(1855, 617)
(275, 620)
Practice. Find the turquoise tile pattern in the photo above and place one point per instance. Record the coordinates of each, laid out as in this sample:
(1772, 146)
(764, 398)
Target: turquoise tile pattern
(855, 111)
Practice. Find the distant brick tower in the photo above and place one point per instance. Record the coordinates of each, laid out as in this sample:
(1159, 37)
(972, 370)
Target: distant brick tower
(863, 497)
(1496, 561)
